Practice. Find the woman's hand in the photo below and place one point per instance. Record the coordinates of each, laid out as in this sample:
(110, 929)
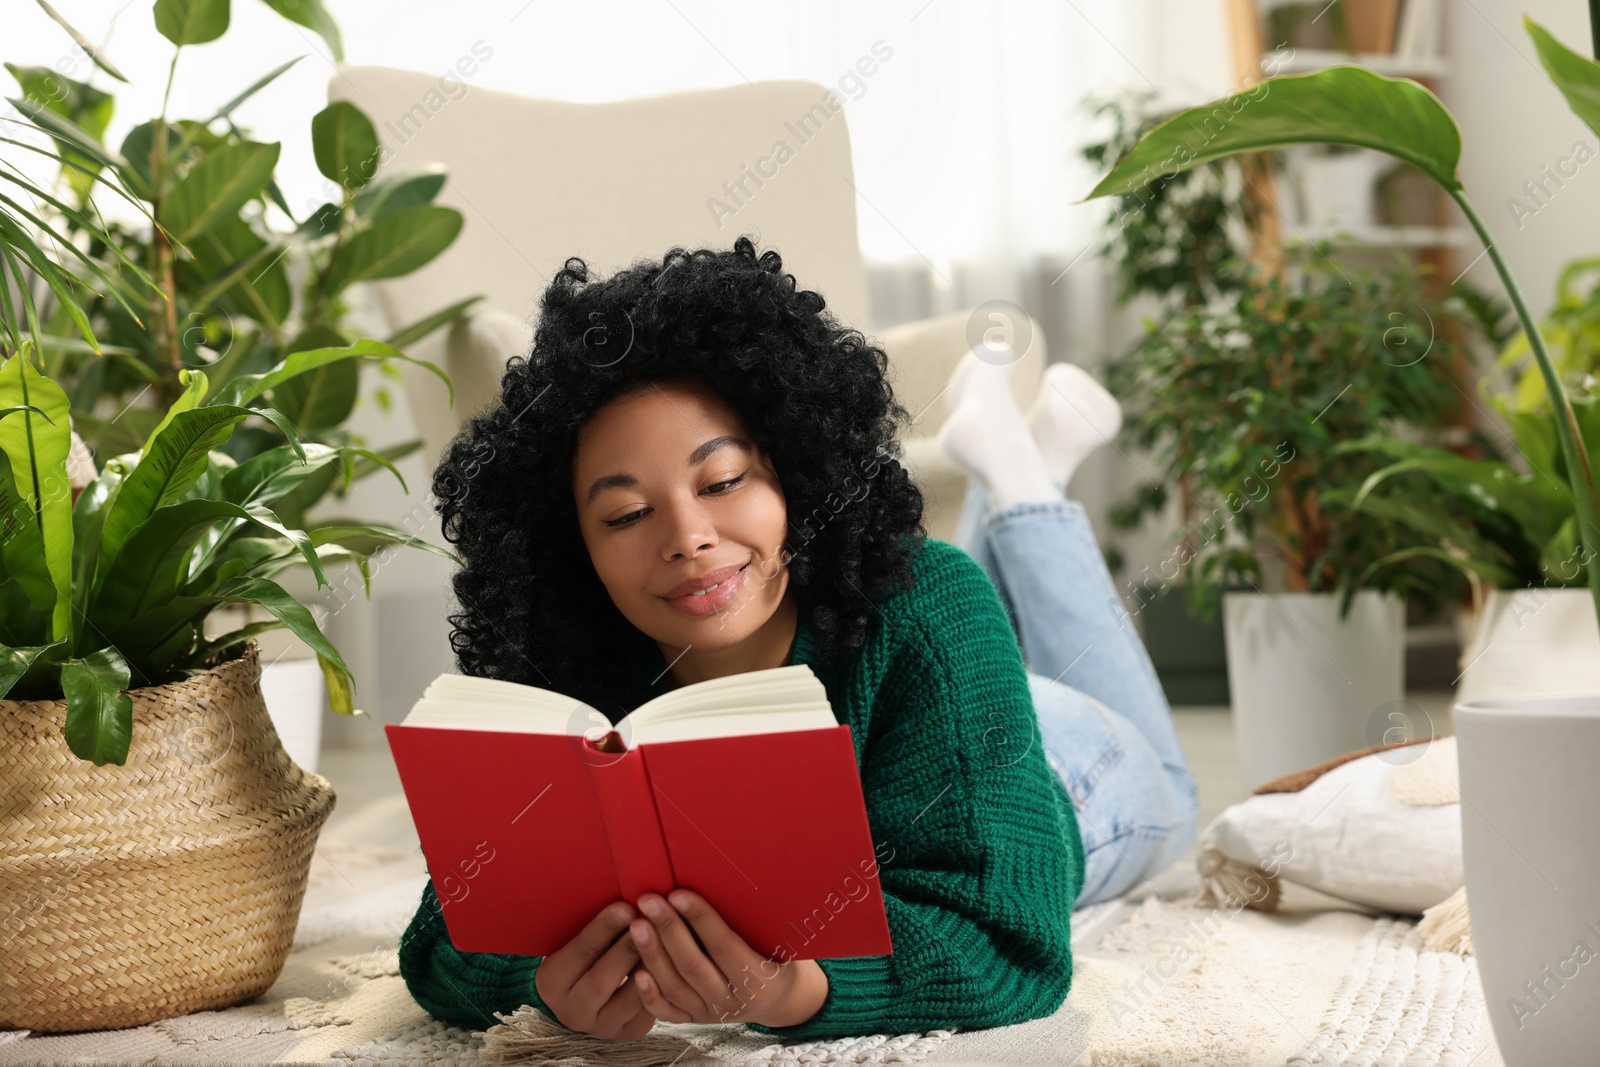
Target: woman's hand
(586, 982)
(678, 981)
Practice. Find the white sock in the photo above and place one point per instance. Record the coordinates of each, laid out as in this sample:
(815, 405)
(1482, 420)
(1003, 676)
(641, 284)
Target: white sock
(1072, 416)
(984, 436)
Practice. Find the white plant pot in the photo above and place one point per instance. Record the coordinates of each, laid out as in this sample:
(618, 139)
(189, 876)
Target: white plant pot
(1532, 863)
(1307, 686)
(1338, 190)
(296, 694)
(1528, 642)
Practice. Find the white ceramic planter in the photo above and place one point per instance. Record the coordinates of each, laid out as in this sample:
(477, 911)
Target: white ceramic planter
(1306, 685)
(1532, 859)
(1338, 190)
(1530, 642)
(297, 700)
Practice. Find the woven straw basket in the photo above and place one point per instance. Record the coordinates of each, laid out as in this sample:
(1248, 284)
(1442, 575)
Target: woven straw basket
(168, 885)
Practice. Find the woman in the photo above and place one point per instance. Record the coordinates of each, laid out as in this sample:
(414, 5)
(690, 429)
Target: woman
(694, 473)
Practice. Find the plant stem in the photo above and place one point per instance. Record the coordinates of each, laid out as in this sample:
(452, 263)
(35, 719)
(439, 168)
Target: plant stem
(1585, 495)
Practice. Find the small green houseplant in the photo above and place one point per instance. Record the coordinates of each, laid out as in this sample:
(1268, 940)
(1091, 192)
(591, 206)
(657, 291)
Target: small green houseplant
(111, 591)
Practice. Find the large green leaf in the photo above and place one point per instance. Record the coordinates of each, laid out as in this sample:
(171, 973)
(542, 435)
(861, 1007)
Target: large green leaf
(36, 446)
(99, 712)
(172, 462)
(243, 388)
(153, 564)
(394, 245)
(155, 627)
(1339, 105)
(217, 187)
(191, 21)
(396, 190)
(345, 144)
(256, 281)
(15, 663)
(323, 396)
(1577, 76)
(266, 476)
(313, 16)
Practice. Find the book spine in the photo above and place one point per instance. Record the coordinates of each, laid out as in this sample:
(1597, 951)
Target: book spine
(632, 824)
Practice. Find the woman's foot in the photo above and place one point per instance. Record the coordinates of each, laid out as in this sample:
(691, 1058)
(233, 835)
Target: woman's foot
(985, 437)
(1072, 416)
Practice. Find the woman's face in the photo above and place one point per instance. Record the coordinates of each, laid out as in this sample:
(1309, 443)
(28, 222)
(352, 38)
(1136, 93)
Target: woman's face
(672, 494)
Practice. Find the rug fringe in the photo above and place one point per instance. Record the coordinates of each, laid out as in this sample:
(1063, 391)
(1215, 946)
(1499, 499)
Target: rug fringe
(527, 1036)
(1446, 927)
(1234, 884)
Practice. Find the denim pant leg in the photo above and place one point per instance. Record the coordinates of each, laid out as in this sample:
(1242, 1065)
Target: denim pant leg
(1104, 720)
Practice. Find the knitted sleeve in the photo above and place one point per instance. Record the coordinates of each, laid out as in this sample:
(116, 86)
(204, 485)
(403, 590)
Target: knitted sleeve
(464, 989)
(980, 859)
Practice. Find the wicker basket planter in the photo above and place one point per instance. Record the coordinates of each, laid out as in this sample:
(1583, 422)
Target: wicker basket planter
(167, 885)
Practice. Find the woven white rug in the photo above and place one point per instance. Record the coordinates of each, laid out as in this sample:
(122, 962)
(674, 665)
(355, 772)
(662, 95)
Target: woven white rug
(1158, 981)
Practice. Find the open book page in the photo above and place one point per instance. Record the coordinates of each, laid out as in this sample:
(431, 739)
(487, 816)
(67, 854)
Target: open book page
(755, 702)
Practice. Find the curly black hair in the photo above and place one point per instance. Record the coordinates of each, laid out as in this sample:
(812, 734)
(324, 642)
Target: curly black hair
(812, 393)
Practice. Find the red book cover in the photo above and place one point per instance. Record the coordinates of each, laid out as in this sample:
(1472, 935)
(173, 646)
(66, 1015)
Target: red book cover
(528, 836)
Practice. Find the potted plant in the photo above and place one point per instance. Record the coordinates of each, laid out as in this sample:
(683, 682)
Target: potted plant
(1246, 402)
(239, 290)
(1531, 887)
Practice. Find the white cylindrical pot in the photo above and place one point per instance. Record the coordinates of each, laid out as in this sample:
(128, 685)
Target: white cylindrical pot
(1531, 853)
(1307, 685)
(296, 694)
(1530, 642)
(1338, 190)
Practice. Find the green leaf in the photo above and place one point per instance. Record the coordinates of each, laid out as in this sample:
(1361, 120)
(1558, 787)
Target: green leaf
(64, 129)
(323, 396)
(153, 563)
(1577, 76)
(396, 190)
(195, 385)
(172, 462)
(345, 144)
(36, 443)
(217, 187)
(376, 534)
(15, 663)
(395, 245)
(191, 21)
(262, 291)
(244, 388)
(341, 690)
(100, 59)
(416, 331)
(1339, 105)
(99, 713)
(259, 84)
(266, 476)
(313, 16)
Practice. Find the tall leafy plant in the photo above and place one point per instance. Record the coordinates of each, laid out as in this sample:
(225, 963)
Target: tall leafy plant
(1351, 105)
(113, 590)
(226, 301)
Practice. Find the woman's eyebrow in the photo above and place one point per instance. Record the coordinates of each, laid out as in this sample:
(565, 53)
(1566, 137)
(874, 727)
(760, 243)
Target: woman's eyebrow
(698, 456)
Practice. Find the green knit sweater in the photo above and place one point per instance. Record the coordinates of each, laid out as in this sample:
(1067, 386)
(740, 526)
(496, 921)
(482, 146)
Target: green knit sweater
(980, 859)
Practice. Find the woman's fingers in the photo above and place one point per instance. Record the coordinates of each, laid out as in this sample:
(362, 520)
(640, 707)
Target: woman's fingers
(657, 1005)
(692, 966)
(603, 986)
(664, 968)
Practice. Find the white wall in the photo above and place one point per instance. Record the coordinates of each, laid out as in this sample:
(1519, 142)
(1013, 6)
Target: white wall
(1513, 121)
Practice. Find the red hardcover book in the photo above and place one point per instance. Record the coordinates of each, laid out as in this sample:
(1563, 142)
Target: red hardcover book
(534, 812)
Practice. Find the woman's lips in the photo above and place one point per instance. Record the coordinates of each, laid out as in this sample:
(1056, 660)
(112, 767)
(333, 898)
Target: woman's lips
(714, 600)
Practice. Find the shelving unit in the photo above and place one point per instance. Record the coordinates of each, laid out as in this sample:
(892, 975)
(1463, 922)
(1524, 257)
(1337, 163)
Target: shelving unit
(1279, 228)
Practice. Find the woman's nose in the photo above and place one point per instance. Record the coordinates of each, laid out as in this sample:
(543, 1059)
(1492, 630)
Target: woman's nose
(689, 529)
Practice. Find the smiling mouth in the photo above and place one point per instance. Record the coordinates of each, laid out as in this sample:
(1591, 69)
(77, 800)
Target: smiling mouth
(725, 581)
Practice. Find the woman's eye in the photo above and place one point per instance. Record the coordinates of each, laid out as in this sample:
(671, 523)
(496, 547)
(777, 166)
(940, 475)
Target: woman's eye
(717, 489)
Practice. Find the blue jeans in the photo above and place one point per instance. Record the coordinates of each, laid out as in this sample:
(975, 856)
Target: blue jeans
(1104, 722)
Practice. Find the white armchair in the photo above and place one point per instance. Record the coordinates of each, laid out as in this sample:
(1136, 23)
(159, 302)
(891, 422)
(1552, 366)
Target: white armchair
(541, 180)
